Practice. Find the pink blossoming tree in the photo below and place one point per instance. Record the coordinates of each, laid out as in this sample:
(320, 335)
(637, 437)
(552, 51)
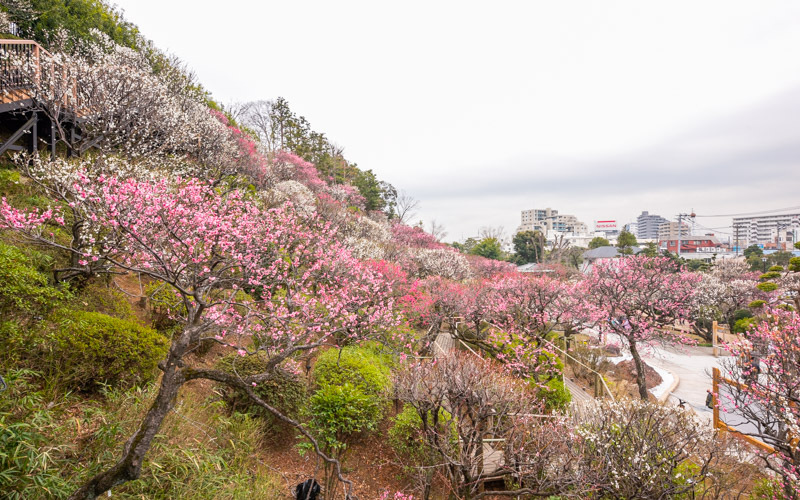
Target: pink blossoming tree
(639, 297)
(237, 272)
(766, 366)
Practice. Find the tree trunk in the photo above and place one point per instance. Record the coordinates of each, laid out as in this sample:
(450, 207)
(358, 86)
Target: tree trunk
(129, 466)
(640, 378)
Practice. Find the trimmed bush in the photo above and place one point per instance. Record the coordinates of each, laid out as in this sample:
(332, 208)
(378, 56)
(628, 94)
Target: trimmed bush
(23, 287)
(555, 395)
(359, 366)
(89, 349)
(742, 325)
(283, 390)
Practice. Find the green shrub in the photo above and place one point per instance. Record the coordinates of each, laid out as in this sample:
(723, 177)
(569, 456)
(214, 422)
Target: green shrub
(283, 390)
(338, 414)
(405, 434)
(98, 296)
(359, 366)
(23, 287)
(743, 325)
(741, 314)
(777, 269)
(767, 286)
(757, 304)
(88, 349)
(555, 395)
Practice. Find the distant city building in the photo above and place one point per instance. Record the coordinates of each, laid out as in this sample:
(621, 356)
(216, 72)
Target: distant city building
(647, 225)
(632, 227)
(707, 244)
(608, 227)
(547, 219)
(770, 231)
(669, 230)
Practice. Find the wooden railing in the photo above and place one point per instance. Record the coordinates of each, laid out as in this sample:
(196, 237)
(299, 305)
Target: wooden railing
(718, 423)
(25, 65)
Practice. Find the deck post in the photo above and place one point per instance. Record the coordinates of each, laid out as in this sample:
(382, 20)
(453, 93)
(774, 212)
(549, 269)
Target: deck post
(715, 395)
(34, 133)
(714, 339)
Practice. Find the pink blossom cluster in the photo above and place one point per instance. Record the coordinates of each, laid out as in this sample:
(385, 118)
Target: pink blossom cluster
(414, 237)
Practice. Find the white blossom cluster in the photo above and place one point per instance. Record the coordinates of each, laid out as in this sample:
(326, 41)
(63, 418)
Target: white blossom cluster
(292, 191)
(441, 262)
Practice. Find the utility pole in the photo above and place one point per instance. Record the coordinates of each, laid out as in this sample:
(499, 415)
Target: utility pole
(680, 229)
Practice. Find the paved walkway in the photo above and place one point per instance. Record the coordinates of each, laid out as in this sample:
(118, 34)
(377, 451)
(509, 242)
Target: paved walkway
(693, 367)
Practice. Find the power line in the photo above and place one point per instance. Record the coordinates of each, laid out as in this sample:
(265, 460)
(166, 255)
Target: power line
(752, 213)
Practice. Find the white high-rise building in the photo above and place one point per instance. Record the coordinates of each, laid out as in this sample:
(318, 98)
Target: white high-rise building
(778, 231)
(547, 219)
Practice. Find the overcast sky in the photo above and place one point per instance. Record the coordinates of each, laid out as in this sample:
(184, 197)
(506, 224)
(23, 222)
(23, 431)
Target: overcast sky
(599, 109)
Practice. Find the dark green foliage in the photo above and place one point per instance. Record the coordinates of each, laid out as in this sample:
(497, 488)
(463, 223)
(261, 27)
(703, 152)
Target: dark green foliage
(597, 242)
(78, 18)
(283, 390)
(489, 248)
(695, 265)
(24, 288)
(86, 350)
(753, 250)
(371, 189)
(360, 366)
(466, 246)
(741, 314)
(528, 246)
(625, 242)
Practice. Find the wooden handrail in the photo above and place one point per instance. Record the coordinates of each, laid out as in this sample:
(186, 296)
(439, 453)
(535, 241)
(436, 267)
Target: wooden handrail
(44, 62)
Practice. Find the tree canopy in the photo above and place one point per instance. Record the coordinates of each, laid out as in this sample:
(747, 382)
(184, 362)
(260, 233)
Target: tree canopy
(598, 241)
(528, 246)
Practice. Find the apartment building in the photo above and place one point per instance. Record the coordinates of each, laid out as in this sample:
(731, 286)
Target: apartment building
(670, 230)
(770, 231)
(548, 219)
(647, 225)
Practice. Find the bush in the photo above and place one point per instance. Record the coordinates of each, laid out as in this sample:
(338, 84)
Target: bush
(337, 414)
(405, 435)
(741, 314)
(359, 366)
(23, 287)
(743, 325)
(87, 350)
(283, 390)
(98, 296)
(555, 395)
